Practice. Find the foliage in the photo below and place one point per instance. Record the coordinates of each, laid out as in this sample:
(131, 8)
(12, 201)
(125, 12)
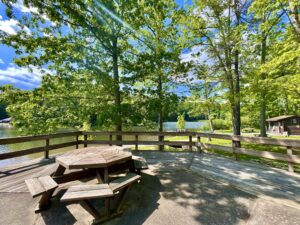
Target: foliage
(221, 124)
(116, 64)
(180, 122)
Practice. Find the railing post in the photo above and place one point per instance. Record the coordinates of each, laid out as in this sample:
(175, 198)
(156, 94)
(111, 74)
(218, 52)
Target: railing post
(289, 151)
(190, 143)
(46, 156)
(161, 139)
(136, 142)
(85, 140)
(199, 143)
(110, 140)
(77, 141)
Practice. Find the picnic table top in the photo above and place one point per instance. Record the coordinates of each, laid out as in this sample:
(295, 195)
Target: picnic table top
(93, 157)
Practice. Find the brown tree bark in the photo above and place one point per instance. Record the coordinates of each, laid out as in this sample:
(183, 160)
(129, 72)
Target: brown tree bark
(117, 95)
(160, 110)
(294, 6)
(262, 121)
(237, 100)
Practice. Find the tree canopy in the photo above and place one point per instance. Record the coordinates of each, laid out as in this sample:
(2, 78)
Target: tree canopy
(118, 64)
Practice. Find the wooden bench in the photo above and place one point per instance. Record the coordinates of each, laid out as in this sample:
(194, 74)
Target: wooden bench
(84, 193)
(44, 187)
(139, 163)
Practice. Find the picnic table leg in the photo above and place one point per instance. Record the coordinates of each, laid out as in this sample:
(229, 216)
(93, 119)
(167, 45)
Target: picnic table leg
(90, 208)
(44, 201)
(59, 171)
(99, 176)
(102, 175)
(106, 175)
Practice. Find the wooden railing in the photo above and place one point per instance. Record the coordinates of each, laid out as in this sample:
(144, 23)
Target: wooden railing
(46, 148)
(158, 138)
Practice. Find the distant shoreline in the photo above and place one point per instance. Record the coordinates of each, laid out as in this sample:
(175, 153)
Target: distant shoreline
(6, 125)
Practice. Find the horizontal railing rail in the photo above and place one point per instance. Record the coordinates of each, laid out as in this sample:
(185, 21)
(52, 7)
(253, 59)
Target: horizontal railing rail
(45, 148)
(20, 139)
(194, 142)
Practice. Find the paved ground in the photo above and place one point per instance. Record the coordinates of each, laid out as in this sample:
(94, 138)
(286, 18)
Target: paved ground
(169, 193)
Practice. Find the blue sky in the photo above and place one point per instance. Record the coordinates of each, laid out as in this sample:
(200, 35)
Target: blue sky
(10, 73)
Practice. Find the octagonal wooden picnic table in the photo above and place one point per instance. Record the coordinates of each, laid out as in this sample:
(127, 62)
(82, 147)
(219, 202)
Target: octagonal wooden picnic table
(90, 160)
(97, 158)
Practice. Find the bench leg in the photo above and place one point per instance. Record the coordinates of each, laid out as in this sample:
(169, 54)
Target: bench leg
(121, 199)
(44, 201)
(107, 206)
(89, 208)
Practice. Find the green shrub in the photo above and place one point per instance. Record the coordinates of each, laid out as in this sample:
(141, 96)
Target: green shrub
(220, 124)
(249, 122)
(205, 127)
(248, 130)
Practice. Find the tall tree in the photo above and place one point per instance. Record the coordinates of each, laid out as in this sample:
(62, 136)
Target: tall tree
(217, 26)
(267, 29)
(82, 36)
(158, 53)
(204, 97)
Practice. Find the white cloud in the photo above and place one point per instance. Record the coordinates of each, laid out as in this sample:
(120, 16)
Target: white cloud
(9, 26)
(1, 61)
(197, 55)
(12, 27)
(21, 76)
(20, 6)
(1, 17)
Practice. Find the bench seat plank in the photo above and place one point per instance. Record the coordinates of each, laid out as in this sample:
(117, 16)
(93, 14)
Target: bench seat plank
(122, 182)
(39, 185)
(48, 183)
(84, 192)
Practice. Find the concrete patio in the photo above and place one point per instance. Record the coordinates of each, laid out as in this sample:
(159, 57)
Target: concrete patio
(179, 188)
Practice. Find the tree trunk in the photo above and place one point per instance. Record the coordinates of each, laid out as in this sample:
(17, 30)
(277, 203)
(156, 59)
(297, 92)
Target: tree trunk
(294, 10)
(237, 102)
(118, 119)
(263, 131)
(210, 123)
(160, 110)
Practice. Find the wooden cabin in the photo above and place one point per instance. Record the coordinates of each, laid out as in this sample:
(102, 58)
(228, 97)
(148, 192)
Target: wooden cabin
(284, 125)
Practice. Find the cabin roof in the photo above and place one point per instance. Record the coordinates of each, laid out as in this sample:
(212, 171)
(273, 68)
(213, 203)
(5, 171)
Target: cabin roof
(278, 118)
(6, 120)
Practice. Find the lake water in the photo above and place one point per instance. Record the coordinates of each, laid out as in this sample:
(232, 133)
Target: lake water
(6, 131)
(171, 126)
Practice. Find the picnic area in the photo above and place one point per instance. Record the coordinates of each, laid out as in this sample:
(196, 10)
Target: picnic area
(109, 184)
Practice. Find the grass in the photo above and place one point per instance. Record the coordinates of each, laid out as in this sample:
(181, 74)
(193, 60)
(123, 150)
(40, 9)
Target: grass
(252, 146)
